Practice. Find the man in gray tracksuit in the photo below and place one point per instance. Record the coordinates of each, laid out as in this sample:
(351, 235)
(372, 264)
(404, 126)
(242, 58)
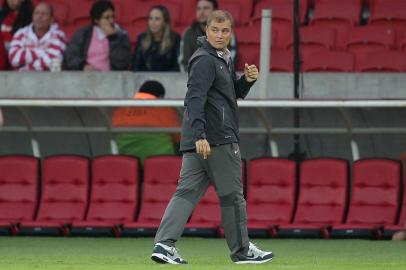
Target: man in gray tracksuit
(210, 148)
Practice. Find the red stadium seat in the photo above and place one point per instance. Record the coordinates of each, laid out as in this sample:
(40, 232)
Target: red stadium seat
(187, 11)
(137, 13)
(314, 39)
(348, 12)
(61, 11)
(248, 45)
(374, 200)
(240, 10)
(322, 198)
(64, 195)
(337, 15)
(281, 61)
(391, 229)
(363, 40)
(390, 13)
(247, 54)
(282, 14)
(79, 13)
(133, 32)
(113, 197)
(328, 61)
(18, 191)
(161, 175)
(271, 192)
(381, 61)
(402, 43)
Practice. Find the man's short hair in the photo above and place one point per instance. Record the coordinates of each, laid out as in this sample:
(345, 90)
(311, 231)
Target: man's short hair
(154, 88)
(220, 16)
(99, 8)
(213, 2)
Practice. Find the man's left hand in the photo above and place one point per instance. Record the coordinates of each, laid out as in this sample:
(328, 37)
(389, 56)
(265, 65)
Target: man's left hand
(251, 73)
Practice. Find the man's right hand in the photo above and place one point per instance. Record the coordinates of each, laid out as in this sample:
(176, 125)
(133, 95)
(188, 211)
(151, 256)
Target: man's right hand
(203, 148)
(88, 67)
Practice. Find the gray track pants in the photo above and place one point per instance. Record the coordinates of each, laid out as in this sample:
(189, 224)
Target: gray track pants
(223, 170)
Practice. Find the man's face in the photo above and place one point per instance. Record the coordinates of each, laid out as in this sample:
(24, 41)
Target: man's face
(107, 17)
(219, 34)
(203, 10)
(42, 17)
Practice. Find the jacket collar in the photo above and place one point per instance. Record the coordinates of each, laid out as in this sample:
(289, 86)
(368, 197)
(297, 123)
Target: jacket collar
(202, 42)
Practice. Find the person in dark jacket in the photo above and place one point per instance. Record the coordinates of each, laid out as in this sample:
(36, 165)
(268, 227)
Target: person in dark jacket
(157, 48)
(14, 14)
(102, 46)
(209, 143)
(188, 43)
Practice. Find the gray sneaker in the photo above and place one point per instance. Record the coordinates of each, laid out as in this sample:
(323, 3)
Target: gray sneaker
(254, 256)
(166, 254)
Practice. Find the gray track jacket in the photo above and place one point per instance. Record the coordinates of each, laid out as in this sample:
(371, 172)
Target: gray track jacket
(211, 100)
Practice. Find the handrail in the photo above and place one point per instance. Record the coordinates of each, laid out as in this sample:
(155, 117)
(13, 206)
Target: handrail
(180, 103)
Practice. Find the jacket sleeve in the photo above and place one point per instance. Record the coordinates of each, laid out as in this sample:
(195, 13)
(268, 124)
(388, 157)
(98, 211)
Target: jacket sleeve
(201, 77)
(120, 51)
(74, 55)
(242, 87)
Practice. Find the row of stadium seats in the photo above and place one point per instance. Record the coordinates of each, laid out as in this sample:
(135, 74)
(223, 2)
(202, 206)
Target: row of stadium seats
(332, 61)
(328, 27)
(245, 12)
(106, 196)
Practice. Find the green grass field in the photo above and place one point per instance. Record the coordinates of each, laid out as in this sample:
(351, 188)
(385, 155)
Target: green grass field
(133, 253)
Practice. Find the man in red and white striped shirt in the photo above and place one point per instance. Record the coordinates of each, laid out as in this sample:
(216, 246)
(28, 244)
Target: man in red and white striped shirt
(37, 46)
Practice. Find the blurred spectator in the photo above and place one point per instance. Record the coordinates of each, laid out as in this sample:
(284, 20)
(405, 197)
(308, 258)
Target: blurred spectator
(15, 14)
(38, 46)
(102, 46)
(143, 145)
(189, 40)
(157, 48)
(3, 55)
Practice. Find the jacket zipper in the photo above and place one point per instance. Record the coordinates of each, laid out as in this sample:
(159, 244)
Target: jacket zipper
(222, 107)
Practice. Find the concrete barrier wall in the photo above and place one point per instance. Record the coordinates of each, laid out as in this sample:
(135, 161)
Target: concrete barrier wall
(123, 85)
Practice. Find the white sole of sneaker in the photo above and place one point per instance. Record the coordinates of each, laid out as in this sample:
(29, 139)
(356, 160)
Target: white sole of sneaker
(160, 258)
(253, 262)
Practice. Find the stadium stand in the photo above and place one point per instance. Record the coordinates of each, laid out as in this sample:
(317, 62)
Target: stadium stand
(381, 61)
(322, 199)
(64, 196)
(328, 61)
(161, 175)
(366, 39)
(281, 61)
(314, 39)
(113, 197)
(241, 10)
(374, 201)
(19, 185)
(271, 192)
